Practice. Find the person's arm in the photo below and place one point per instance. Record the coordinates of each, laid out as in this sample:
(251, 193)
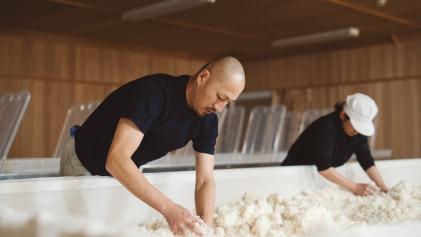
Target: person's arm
(205, 187)
(374, 175)
(119, 164)
(366, 160)
(324, 146)
(357, 188)
(204, 147)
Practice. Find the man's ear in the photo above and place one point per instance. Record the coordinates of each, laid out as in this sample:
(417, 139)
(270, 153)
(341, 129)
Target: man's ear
(203, 76)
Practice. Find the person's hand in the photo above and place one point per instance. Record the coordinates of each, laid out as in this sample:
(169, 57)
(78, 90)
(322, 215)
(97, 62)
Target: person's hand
(181, 220)
(363, 189)
(384, 189)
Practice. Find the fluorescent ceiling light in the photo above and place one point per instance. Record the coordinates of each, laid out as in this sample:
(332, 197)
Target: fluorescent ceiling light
(162, 8)
(318, 38)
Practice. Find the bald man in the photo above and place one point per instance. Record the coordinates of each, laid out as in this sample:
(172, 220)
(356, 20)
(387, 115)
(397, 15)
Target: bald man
(145, 119)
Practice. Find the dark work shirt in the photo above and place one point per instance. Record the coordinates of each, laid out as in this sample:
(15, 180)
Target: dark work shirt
(325, 144)
(157, 105)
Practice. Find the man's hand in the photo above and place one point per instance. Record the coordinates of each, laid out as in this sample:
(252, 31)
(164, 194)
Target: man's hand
(363, 189)
(181, 220)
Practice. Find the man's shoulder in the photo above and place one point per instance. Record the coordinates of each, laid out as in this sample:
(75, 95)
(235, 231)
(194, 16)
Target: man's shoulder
(326, 123)
(162, 78)
(154, 83)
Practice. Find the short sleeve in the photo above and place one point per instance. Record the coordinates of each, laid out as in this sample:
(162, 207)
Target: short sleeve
(363, 153)
(206, 140)
(144, 106)
(323, 148)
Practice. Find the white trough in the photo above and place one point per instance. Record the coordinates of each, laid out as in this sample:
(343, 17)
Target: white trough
(104, 200)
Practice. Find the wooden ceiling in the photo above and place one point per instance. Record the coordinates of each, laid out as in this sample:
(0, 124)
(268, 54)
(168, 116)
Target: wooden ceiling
(243, 28)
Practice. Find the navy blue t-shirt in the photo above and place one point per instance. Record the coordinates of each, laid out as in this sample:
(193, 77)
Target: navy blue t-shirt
(325, 144)
(157, 105)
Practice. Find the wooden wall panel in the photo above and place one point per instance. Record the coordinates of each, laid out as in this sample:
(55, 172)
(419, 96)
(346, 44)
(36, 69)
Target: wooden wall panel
(375, 63)
(391, 74)
(61, 72)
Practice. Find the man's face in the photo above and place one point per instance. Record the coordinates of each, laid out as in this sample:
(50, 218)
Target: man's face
(348, 128)
(212, 95)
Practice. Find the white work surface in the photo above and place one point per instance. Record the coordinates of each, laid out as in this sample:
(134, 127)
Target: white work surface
(102, 202)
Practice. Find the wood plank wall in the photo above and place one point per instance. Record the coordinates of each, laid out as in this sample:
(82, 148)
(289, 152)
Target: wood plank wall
(391, 74)
(60, 72)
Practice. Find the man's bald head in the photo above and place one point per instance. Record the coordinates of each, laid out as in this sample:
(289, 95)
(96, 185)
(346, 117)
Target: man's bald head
(225, 69)
(216, 84)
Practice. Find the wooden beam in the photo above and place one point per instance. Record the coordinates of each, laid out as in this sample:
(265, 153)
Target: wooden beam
(210, 29)
(375, 13)
(182, 24)
(85, 5)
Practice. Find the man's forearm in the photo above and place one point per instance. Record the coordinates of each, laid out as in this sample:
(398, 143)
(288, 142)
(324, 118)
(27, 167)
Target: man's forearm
(205, 200)
(374, 175)
(129, 175)
(332, 175)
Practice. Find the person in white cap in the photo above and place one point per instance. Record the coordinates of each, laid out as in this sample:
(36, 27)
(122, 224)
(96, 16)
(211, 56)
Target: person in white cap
(330, 141)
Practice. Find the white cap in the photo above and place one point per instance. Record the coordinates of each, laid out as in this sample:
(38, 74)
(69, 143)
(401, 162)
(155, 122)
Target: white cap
(361, 110)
